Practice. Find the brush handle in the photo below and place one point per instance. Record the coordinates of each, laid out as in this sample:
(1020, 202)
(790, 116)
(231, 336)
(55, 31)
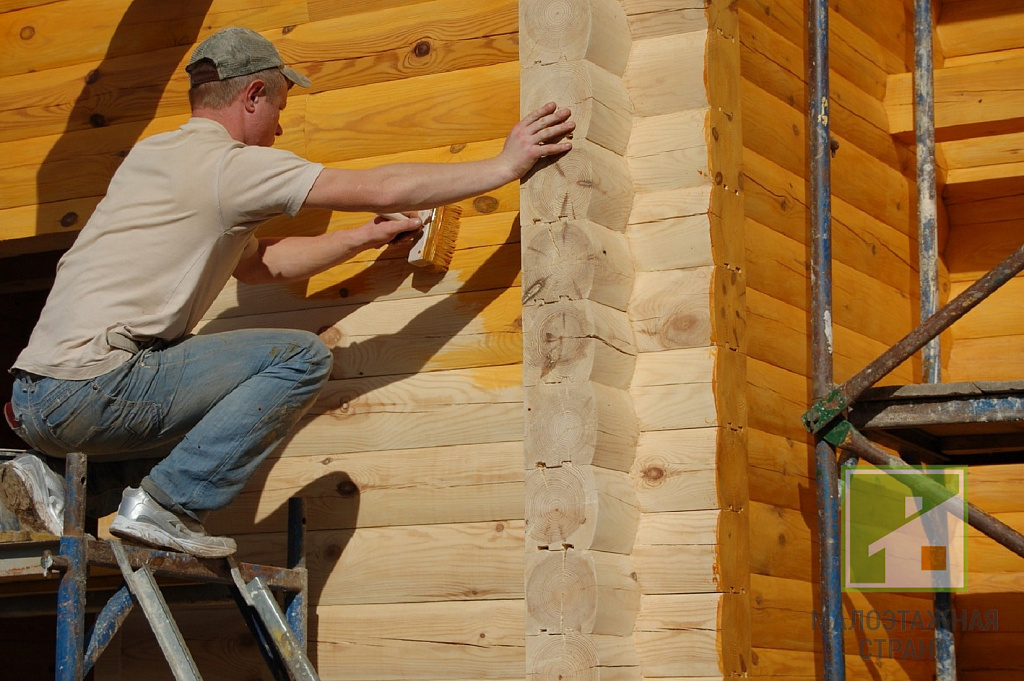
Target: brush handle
(416, 252)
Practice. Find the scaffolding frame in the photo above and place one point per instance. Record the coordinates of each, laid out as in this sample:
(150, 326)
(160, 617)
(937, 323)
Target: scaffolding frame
(828, 419)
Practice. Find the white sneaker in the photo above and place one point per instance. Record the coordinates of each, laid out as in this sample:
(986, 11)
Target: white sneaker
(140, 518)
(33, 493)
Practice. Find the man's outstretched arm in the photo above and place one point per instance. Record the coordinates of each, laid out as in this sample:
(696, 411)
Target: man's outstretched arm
(401, 187)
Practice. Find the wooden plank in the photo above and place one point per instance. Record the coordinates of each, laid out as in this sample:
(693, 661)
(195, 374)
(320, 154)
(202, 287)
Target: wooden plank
(971, 253)
(977, 26)
(993, 150)
(777, 267)
(676, 470)
(654, 82)
(406, 336)
(854, 55)
(982, 213)
(436, 110)
(998, 315)
(451, 640)
(777, 197)
(669, 151)
(462, 483)
(37, 37)
(782, 614)
(470, 561)
(780, 471)
(958, 92)
(777, 65)
(779, 332)
(657, 20)
(987, 359)
(776, 400)
(785, 543)
(858, 178)
(806, 666)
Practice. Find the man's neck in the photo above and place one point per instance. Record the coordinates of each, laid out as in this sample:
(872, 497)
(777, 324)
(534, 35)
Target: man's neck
(228, 117)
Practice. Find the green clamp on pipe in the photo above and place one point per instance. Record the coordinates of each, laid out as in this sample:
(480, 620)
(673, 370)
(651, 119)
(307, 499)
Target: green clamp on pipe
(824, 411)
(837, 435)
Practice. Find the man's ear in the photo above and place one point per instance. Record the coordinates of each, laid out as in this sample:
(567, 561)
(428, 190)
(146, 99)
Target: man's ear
(252, 92)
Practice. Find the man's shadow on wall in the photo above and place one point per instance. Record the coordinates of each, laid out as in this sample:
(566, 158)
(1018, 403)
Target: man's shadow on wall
(124, 91)
(332, 501)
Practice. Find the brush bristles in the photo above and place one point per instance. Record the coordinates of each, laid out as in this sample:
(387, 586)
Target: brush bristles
(442, 234)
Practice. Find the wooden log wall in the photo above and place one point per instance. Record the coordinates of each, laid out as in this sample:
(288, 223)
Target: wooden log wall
(633, 328)
(411, 463)
(875, 294)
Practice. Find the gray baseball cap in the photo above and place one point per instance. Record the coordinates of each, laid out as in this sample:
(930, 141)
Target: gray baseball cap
(236, 51)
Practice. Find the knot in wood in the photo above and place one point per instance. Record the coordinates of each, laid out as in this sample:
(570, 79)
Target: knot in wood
(654, 474)
(332, 552)
(287, 29)
(27, 32)
(714, 133)
(422, 48)
(343, 293)
(69, 219)
(98, 120)
(92, 76)
(499, 527)
(456, 148)
(347, 489)
(485, 204)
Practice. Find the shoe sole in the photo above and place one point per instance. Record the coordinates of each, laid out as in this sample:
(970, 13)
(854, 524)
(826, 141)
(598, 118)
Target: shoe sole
(157, 538)
(17, 498)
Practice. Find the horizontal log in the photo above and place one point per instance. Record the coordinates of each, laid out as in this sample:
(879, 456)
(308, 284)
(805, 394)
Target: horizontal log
(38, 36)
(674, 203)
(577, 260)
(575, 342)
(452, 640)
(857, 56)
(579, 423)
(958, 92)
(671, 244)
(670, 151)
(588, 183)
(585, 507)
(574, 30)
(676, 470)
(987, 359)
(407, 335)
(597, 98)
(656, 84)
(654, 20)
(424, 486)
(588, 592)
(785, 543)
(801, 665)
(435, 110)
(471, 561)
(776, 399)
(550, 657)
(858, 178)
(966, 28)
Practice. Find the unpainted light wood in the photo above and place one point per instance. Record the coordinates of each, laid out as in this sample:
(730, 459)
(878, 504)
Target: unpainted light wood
(577, 341)
(477, 482)
(654, 80)
(552, 31)
(576, 260)
(584, 423)
(669, 151)
(450, 640)
(550, 657)
(466, 561)
(600, 105)
(586, 507)
(573, 590)
(588, 183)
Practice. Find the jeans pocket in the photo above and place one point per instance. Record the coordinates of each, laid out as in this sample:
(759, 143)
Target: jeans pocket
(92, 421)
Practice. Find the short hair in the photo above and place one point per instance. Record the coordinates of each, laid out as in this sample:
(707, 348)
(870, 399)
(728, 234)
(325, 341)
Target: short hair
(219, 94)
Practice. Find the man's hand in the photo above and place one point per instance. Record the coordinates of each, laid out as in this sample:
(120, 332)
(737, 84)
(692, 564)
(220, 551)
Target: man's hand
(536, 136)
(382, 230)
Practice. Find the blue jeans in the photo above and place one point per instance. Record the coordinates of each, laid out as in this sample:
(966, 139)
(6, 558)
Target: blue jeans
(208, 408)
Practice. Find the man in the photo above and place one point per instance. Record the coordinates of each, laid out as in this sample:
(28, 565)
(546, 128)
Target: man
(111, 369)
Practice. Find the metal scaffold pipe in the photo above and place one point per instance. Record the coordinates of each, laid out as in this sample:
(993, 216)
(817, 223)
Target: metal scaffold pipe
(826, 464)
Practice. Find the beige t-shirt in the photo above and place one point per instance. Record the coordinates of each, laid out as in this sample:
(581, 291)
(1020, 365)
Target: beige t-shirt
(178, 216)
